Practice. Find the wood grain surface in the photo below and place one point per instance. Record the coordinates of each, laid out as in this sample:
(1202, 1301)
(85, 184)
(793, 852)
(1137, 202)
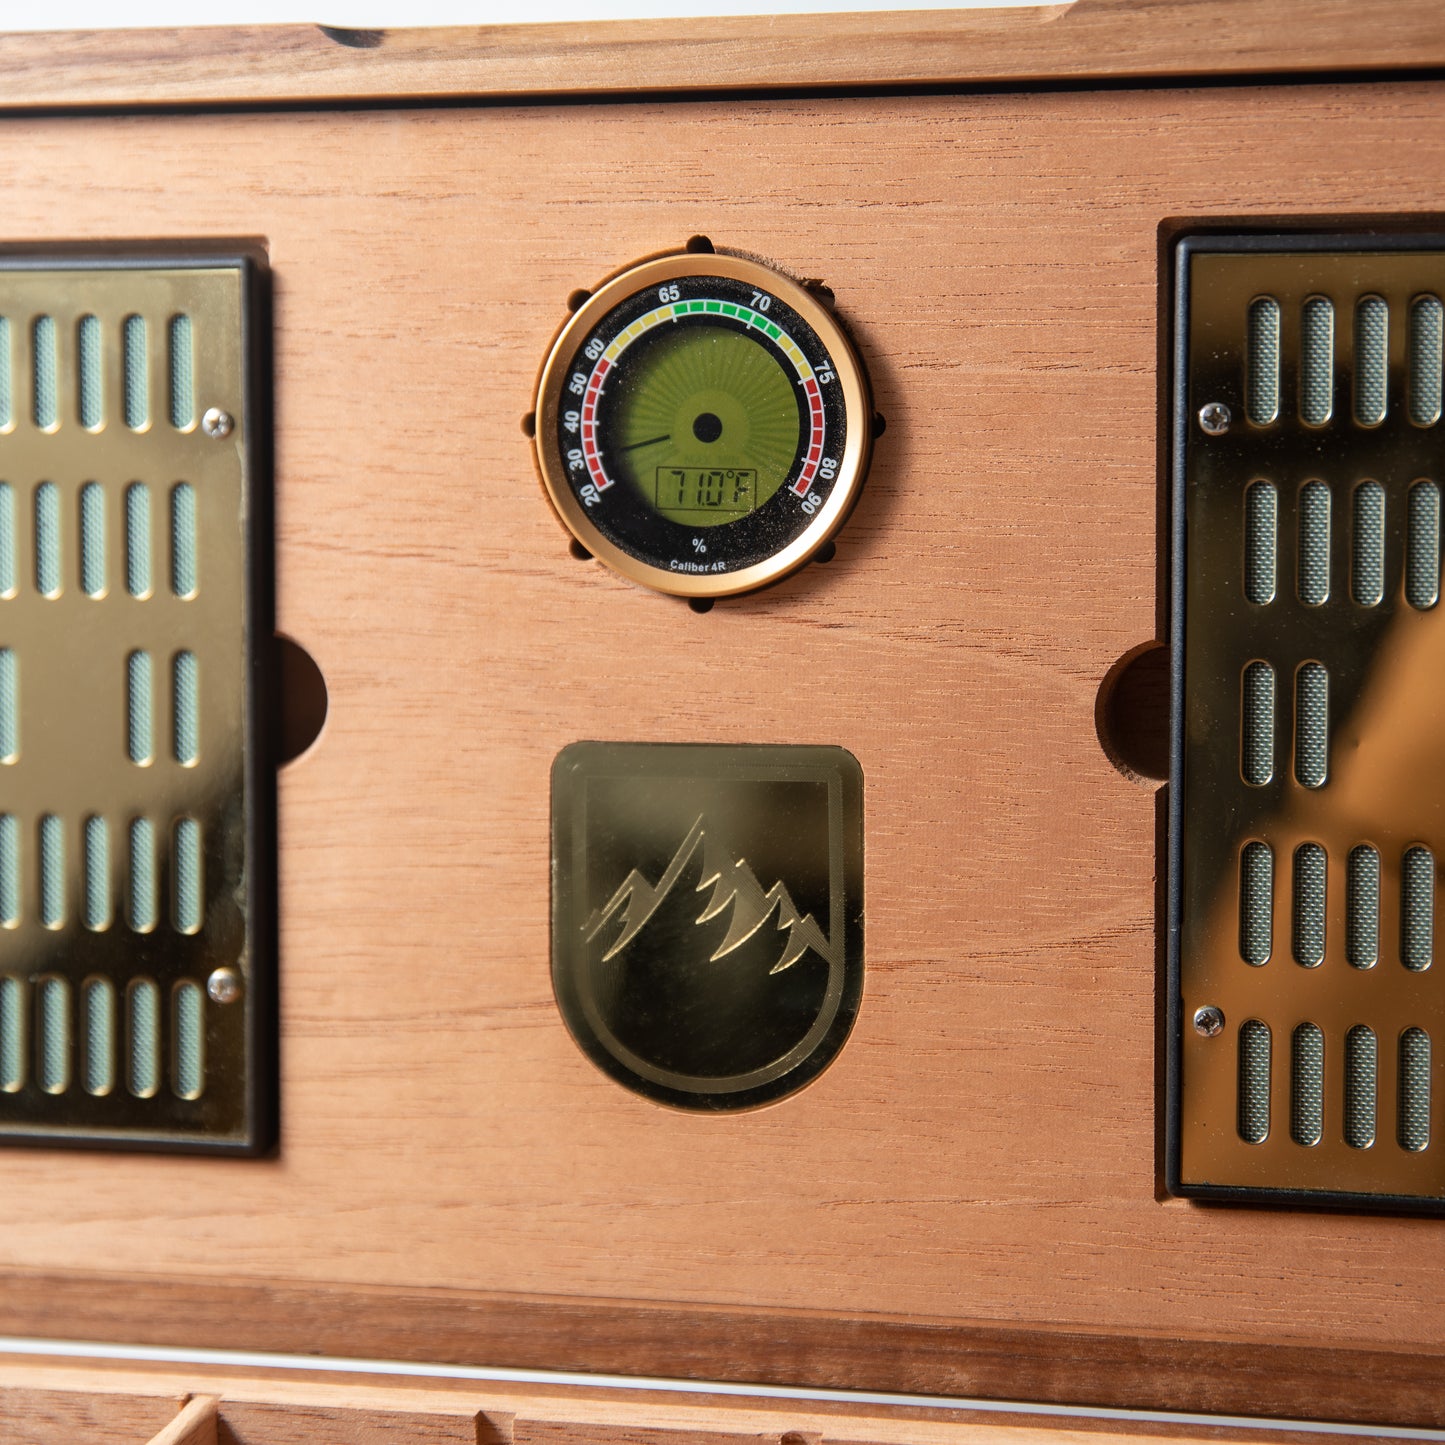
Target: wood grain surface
(259, 1407)
(982, 1155)
(1168, 1370)
(1087, 40)
(34, 1412)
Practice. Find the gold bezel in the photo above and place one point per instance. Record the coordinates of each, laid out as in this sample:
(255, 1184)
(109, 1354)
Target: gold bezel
(857, 410)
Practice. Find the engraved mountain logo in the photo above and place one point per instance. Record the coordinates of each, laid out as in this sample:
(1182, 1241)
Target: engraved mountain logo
(733, 885)
(707, 914)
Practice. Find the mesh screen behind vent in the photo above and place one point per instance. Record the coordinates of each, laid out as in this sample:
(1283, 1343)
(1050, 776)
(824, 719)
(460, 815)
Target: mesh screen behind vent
(1361, 1073)
(1314, 544)
(1362, 907)
(1256, 911)
(134, 788)
(1312, 724)
(1307, 1086)
(1317, 360)
(1261, 542)
(1254, 1069)
(1257, 763)
(1309, 648)
(1372, 355)
(1422, 557)
(1264, 360)
(1426, 317)
(1367, 542)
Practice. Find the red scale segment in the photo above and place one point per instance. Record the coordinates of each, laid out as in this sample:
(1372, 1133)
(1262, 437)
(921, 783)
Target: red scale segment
(593, 458)
(815, 451)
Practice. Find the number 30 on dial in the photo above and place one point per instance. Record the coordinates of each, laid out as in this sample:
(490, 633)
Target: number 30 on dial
(703, 425)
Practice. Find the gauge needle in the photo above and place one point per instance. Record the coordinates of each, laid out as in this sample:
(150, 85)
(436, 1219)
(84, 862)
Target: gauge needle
(650, 442)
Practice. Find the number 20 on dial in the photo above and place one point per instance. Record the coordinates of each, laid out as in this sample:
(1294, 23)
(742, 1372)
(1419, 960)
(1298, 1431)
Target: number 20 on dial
(703, 425)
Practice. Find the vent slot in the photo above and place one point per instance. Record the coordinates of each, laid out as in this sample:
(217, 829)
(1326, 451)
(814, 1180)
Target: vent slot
(190, 1048)
(1309, 905)
(139, 695)
(1422, 558)
(1414, 1130)
(1256, 903)
(9, 706)
(1425, 353)
(182, 388)
(1372, 355)
(143, 1055)
(185, 708)
(1417, 909)
(52, 871)
(1254, 1048)
(46, 399)
(1361, 1071)
(138, 540)
(97, 875)
(1263, 360)
(137, 373)
(1317, 360)
(7, 394)
(1362, 908)
(1261, 530)
(8, 583)
(47, 539)
(9, 870)
(53, 1061)
(142, 875)
(1312, 725)
(92, 540)
(1314, 544)
(187, 887)
(1257, 760)
(14, 1035)
(99, 1036)
(1368, 570)
(183, 540)
(1307, 1085)
(88, 358)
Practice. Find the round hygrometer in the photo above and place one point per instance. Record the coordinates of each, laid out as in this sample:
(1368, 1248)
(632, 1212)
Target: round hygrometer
(703, 424)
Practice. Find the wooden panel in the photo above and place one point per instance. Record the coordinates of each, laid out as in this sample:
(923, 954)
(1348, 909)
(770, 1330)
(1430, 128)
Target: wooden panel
(1090, 39)
(268, 1423)
(282, 1408)
(1177, 1370)
(980, 1163)
(96, 1416)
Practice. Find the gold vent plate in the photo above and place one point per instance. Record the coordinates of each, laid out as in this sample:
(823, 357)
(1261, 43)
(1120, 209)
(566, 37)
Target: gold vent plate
(134, 909)
(1308, 804)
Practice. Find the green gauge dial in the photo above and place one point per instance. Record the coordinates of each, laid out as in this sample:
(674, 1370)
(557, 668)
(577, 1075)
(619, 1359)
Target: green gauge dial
(703, 425)
(709, 428)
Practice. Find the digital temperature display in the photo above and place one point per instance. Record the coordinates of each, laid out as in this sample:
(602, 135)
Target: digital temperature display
(682, 492)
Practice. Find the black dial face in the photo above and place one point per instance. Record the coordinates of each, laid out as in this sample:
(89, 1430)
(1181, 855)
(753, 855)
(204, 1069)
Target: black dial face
(702, 424)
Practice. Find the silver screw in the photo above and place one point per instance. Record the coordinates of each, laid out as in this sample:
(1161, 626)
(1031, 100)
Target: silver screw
(224, 985)
(1208, 1021)
(217, 423)
(1214, 419)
